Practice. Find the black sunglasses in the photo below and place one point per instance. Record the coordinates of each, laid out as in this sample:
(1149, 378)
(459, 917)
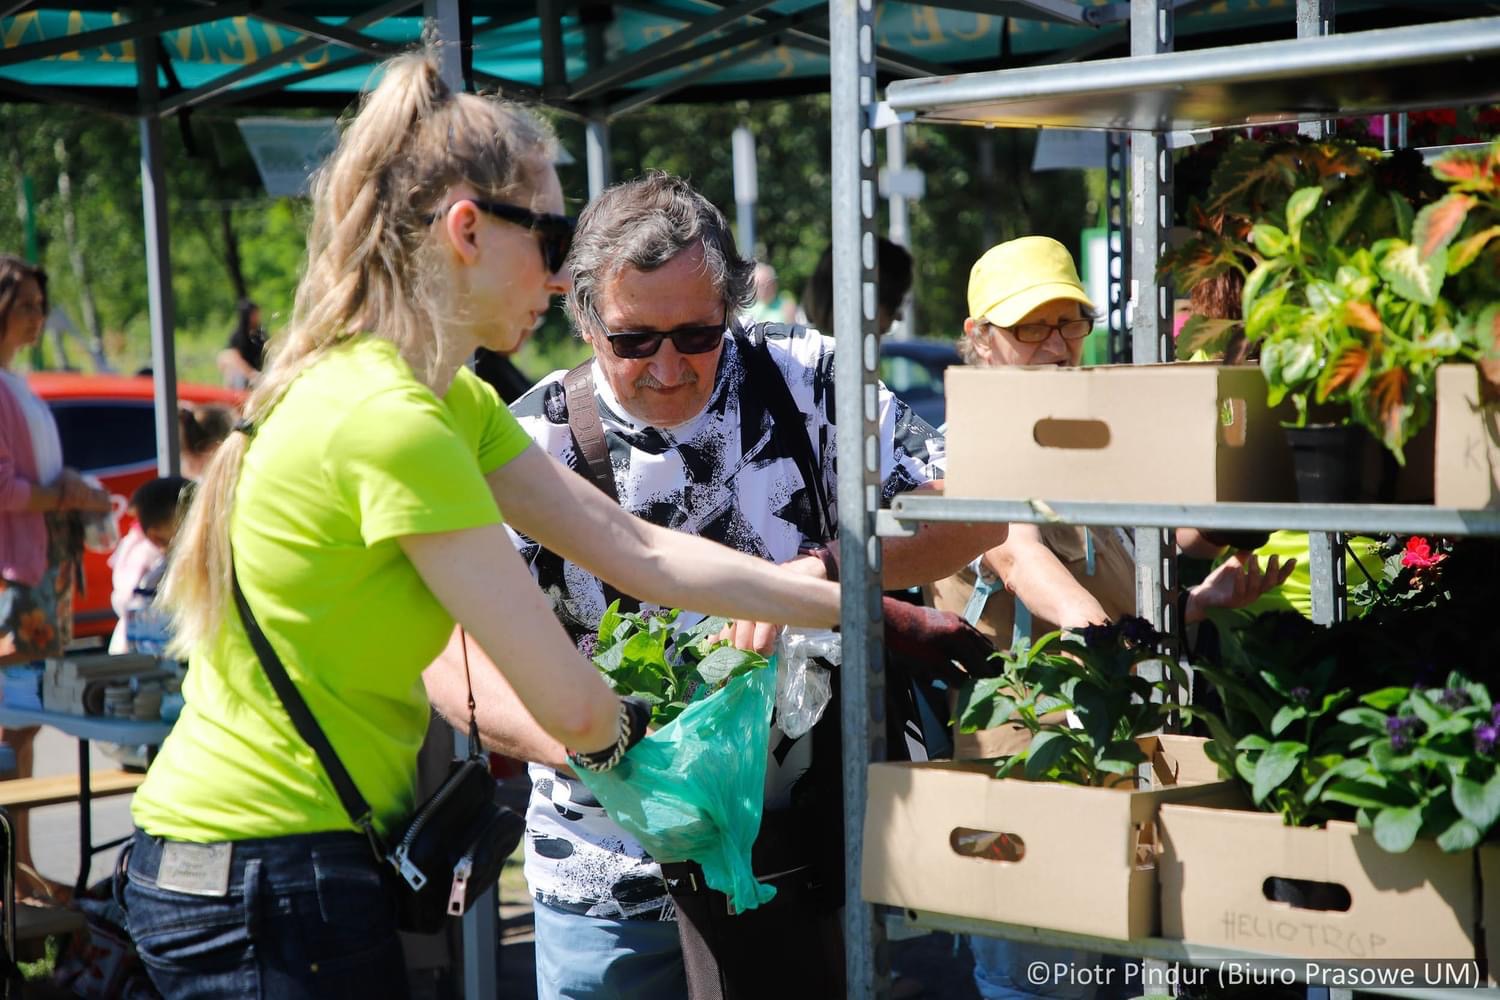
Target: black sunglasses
(687, 340)
(554, 232)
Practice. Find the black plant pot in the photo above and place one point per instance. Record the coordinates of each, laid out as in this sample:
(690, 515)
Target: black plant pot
(1335, 463)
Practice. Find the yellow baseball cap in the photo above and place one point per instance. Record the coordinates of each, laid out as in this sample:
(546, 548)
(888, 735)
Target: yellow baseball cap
(1015, 277)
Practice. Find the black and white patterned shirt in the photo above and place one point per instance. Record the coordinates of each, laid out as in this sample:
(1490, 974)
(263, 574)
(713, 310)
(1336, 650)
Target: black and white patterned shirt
(725, 476)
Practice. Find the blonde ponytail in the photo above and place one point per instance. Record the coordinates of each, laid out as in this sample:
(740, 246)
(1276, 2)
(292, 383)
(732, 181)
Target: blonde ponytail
(370, 271)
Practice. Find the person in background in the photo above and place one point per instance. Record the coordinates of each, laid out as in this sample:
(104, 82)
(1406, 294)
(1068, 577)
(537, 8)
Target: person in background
(38, 554)
(202, 428)
(242, 359)
(772, 305)
(140, 559)
(356, 512)
(892, 282)
(1027, 307)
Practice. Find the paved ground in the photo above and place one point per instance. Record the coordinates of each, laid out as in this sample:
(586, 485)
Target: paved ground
(54, 829)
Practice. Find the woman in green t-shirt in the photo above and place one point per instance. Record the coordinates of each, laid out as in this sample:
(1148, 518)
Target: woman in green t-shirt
(361, 508)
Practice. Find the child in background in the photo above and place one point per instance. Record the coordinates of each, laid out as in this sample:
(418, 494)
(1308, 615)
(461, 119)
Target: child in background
(140, 562)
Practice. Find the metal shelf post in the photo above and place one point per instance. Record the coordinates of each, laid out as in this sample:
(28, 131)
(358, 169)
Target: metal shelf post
(851, 26)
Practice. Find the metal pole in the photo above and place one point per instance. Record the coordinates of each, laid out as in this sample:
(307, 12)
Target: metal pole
(1325, 558)
(596, 154)
(1314, 20)
(862, 709)
(596, 130)
(746, 187)
(158, 260)
(1151, 330)
(480, 933)
(1117, 155)
(443, 16)
(895, 161)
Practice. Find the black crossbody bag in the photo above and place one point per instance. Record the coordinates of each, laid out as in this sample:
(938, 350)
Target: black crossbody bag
(453, 847)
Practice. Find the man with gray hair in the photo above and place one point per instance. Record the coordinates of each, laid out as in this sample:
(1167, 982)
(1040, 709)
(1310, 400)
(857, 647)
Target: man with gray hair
(695, 422)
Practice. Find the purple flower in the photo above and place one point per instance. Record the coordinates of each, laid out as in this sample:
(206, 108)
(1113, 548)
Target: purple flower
(1299, 695)
(1495, 714)
(587, 644)
(1453, 699)
(1486, 735)
(1099, 636)
(1402, 729)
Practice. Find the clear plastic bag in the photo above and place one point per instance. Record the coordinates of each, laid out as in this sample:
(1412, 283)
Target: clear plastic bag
(804, 687)
(101, 528)
(694, 789)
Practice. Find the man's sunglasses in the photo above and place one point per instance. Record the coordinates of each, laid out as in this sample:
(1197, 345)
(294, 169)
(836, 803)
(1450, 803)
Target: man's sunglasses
(687, 340)
(554, 233)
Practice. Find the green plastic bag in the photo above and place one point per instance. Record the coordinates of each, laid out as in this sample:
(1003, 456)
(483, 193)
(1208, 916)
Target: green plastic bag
(693, 790)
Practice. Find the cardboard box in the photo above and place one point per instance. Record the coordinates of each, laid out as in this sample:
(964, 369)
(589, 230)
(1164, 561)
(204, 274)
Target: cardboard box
(1216, 862)
(1178, 433)
(1489, 881)
(1088, 861)
(1468, 441)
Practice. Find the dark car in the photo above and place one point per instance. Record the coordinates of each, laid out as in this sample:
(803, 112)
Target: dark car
(913, 370)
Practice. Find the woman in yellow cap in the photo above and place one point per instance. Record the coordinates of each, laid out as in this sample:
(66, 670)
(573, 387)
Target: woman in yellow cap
(1027, 306)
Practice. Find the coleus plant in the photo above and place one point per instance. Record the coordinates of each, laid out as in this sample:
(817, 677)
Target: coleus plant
(1360, 328)
(643, 654)
(1089, 675)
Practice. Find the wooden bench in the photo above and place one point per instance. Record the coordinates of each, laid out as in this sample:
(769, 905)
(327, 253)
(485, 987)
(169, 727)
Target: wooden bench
(30, 793)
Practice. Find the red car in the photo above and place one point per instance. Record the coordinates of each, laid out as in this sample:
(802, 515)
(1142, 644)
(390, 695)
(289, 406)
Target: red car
(108, 428)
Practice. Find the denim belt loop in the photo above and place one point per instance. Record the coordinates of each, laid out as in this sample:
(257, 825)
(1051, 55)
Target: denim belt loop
(122, 869)
(253, 890)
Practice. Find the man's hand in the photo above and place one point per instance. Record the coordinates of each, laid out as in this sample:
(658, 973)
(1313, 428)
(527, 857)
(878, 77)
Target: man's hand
(1237, 583)
(931, 640)
(75, 493)
(759, 637)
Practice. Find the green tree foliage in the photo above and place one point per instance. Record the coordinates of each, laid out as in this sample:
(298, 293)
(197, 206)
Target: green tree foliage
(209, 171)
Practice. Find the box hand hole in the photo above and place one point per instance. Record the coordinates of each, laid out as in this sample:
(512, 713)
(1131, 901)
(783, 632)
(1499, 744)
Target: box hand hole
(1233, 415)
(1306, 894)
(990, 845)
(1077, 435)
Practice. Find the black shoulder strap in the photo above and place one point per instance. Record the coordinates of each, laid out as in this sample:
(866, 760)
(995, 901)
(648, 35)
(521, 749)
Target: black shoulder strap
(588, 429)
(302, 719)
(789, 422)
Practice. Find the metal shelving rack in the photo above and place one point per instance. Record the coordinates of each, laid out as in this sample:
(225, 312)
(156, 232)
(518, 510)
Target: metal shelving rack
(1155, 91)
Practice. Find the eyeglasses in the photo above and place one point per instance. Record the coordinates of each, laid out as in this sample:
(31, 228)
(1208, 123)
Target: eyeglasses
(687, 340)
(1035, 333)
(554, 232)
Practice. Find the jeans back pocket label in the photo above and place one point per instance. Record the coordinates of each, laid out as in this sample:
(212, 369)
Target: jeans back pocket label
(196, 869)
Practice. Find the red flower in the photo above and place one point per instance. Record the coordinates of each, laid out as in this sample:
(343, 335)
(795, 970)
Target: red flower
(1419, 554)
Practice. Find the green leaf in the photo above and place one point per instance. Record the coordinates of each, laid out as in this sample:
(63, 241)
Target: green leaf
(1047, 748)
(1437, 224)
(1466, 251)
(1460, 836)
(720, 664)
(1200, 333)
(1411, 277)
(983, 705)
(610, 622)
(1263, 273)
(1425, 710)
(1275, 766)
(1478, 803)
(1300, 205)
(1287, 715)
(1396, 829)
(1299, 362)
(1363, 794)
(1253, 741)
(1269, 241)
(1403, 213)
(1120, 757)
(1386, 699)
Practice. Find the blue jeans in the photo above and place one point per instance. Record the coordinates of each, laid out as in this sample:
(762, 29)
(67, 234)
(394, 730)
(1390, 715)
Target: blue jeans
(589, 958)
(304, 916)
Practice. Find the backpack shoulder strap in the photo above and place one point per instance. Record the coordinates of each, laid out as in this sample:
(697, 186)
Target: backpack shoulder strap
(588, 429)
(789, 421)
